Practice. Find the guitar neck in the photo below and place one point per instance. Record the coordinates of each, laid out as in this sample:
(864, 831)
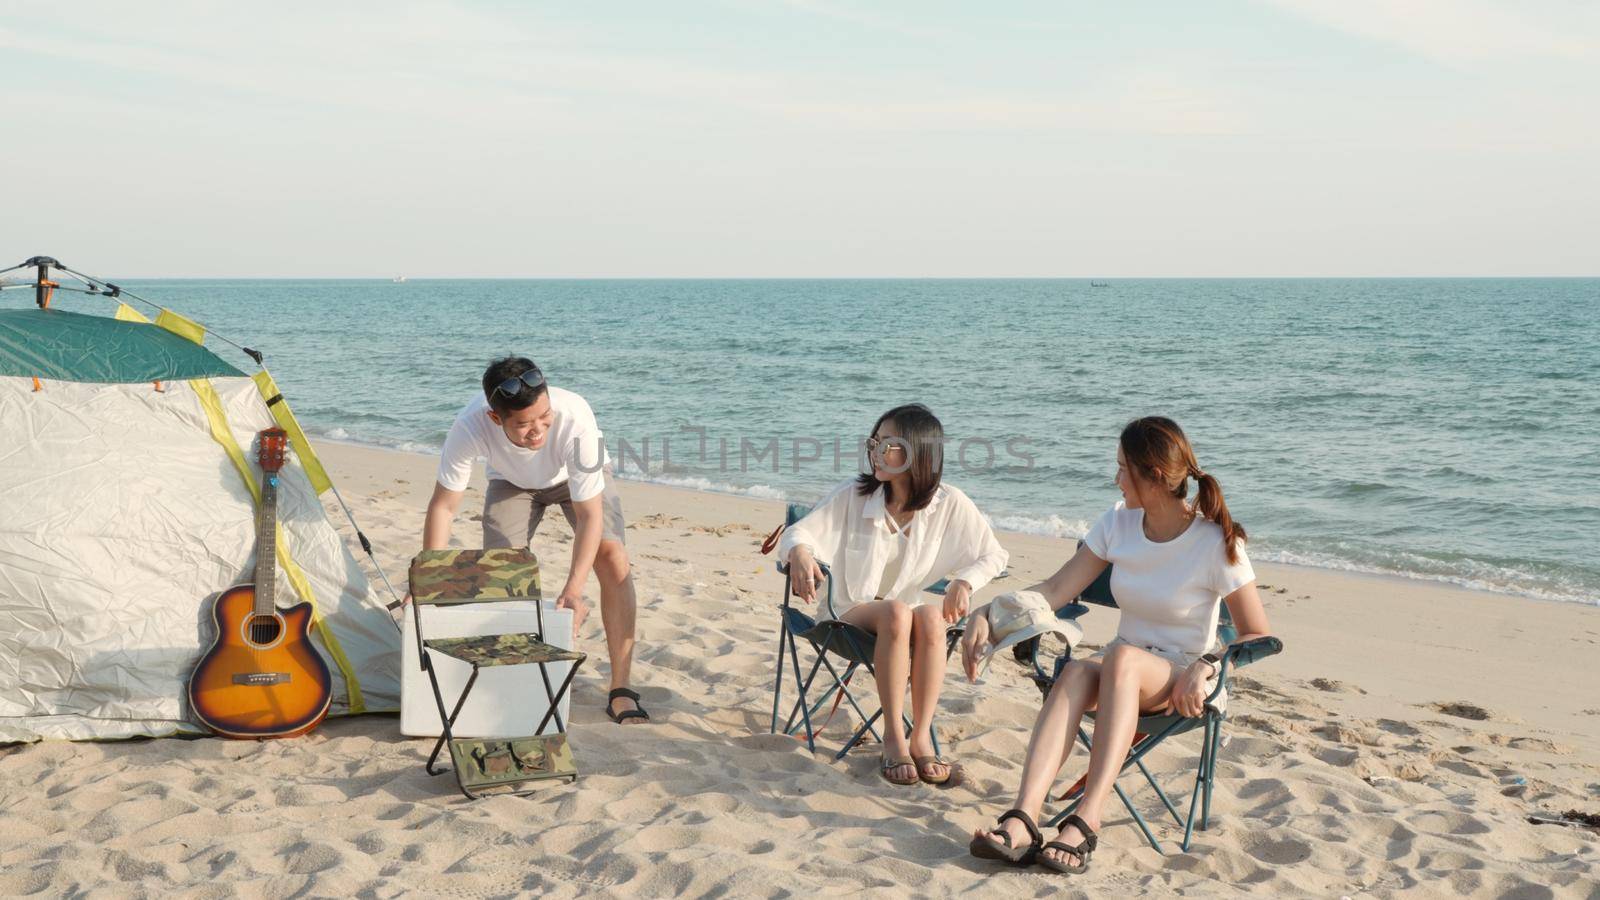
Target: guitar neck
(267, 546)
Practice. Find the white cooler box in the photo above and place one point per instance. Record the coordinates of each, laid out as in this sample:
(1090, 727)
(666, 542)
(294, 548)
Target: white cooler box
(507, 701)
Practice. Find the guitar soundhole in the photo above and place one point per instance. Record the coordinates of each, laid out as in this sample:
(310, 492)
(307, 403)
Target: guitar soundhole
(264, 629)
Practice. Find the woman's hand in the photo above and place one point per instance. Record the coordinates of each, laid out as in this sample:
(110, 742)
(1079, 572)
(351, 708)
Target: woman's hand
(1189, 692)
(956, 596)
(804, 574)
(975, 641)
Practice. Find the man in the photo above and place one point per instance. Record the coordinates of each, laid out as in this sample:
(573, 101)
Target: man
(543, 448)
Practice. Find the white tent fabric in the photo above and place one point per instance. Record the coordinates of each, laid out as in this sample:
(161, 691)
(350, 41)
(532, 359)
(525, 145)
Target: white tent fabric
(121, 518)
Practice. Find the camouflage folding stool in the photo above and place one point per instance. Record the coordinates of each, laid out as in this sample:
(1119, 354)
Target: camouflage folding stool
(503, 764)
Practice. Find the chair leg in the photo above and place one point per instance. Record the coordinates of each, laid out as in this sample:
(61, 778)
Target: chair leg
(1167, 801)
(856, 738)
(794, 657)
(1199, 784)
(777, 682)
(805, 691)
(1211, 771)
(844, 683)
(1138, 819)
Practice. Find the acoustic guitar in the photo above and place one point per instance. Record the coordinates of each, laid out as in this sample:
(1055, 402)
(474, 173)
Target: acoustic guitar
(261, 678)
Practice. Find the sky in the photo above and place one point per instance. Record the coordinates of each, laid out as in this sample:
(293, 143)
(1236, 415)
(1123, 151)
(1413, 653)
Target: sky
(802, 138)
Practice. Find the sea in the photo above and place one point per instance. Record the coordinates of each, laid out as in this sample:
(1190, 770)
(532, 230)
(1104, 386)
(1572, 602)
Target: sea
(1441, 429)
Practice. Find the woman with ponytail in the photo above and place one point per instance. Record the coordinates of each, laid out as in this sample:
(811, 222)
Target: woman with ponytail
(1174, 563)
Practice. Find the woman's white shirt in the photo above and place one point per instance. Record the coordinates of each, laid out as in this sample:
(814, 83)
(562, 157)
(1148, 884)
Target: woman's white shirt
(847, 532)
(1169, 592)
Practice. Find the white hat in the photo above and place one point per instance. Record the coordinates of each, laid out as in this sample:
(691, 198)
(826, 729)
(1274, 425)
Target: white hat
(1021, 615)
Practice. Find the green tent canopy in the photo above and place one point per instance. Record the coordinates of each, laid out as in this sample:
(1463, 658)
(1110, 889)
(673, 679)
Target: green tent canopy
(65, 346)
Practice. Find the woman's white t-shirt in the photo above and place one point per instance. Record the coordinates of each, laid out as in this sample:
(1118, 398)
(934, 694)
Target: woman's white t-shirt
(1170, 593)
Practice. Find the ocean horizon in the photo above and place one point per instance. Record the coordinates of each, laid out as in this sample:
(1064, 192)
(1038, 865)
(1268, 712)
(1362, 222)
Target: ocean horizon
(1437, 428)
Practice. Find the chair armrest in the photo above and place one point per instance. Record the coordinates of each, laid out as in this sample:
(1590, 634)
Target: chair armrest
(1250, 651)
(827, 575)
(1243, 655)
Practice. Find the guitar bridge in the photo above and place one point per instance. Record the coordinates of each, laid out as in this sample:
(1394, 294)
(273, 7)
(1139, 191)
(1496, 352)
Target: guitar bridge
(261, 678)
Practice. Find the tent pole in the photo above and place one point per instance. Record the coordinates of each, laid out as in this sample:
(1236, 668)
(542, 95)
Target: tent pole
(42, 286)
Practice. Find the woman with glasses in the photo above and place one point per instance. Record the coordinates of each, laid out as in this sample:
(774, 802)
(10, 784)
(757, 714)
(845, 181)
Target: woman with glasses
(886, 535)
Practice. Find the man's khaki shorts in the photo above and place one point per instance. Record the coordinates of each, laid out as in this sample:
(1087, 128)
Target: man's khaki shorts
(511, 514)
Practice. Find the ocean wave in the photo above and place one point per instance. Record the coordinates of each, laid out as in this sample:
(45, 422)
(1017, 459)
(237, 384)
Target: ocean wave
(698, 483)
(1466, 573)
(1049, 526)
(342, 436)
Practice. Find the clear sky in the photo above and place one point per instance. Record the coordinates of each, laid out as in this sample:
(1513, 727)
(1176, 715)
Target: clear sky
(802, 138)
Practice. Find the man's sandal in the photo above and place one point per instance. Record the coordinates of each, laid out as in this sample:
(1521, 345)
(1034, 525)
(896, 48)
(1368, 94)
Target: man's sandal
(887, 765)
(618, 717)
(1081, 851)
(984, 846)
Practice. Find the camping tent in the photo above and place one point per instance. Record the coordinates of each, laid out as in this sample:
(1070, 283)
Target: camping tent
(128, 487)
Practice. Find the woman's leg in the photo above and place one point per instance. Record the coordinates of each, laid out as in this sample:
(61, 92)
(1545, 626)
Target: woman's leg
(927, 677)
(1131, 680)
(890, 622)
(1054, 731)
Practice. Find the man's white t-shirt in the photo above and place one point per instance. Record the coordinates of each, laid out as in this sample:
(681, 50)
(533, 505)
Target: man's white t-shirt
(574, 450)
(1169, 593)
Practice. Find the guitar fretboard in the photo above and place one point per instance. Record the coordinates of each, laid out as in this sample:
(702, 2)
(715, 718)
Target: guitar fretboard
(267, 546)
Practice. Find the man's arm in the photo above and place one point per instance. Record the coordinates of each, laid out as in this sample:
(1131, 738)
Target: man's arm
(585, 544)
(442, 508)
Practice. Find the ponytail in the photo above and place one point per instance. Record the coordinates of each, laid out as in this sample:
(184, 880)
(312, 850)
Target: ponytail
(1159, 451)
(1208, 498)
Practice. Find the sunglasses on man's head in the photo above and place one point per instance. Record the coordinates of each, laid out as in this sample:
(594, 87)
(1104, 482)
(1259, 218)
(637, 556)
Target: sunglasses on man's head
(513, 385)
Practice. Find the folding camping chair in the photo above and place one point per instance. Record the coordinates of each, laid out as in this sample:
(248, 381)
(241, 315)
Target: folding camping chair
(830, 636)
(454, 577)
(1153, 729)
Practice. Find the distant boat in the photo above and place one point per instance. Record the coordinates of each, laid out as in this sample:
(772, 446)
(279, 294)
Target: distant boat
(1099, 284)
(399, 279)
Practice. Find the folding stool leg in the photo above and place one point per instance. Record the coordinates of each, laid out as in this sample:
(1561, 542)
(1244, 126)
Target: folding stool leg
(446, 722)
(555, 699)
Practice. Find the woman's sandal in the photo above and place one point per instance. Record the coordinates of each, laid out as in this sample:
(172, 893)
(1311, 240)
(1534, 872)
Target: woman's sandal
(984, 846)
(636, 713)
(923, 763)
(1081, 851)
(887, 765)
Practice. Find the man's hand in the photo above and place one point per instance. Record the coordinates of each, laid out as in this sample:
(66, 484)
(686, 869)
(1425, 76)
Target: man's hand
(975, 641)
(398, 613)
(804, 574)
(574, 601)
(1190, 690)
(956, 596)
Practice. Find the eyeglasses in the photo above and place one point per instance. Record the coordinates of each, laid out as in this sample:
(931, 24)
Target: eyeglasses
(884, 445)
(512, 386)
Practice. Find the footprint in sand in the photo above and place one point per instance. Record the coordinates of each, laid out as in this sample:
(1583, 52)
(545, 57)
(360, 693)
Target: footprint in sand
(1334, 686)
(1462, 709)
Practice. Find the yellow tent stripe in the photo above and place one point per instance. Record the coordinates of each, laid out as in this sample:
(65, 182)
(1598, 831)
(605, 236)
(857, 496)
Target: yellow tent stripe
(126, 313)
(286, 420)
(297, 578)
(178, 325)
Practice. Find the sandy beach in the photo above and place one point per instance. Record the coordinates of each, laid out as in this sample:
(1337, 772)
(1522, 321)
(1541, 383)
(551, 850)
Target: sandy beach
(1397, 746)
